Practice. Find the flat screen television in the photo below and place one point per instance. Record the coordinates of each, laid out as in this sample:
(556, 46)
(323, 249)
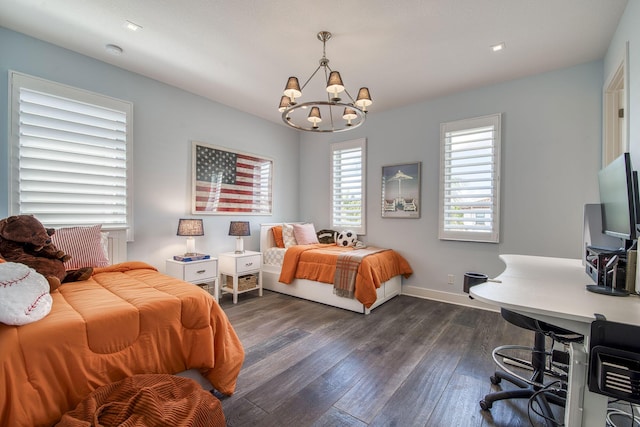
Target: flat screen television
(618, 185)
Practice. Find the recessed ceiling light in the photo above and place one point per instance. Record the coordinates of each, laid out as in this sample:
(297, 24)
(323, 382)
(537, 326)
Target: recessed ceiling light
(497, 47)
(132, 26)
(114, 49)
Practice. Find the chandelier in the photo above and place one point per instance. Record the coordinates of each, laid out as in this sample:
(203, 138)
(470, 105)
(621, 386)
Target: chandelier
(332, 115)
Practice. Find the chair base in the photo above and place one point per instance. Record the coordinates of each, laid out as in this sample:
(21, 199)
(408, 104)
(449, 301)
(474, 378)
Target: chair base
(532, 389)
(525, 391)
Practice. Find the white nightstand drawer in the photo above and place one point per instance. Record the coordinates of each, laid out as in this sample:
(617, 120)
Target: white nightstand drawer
(200, 271)
(247, 263)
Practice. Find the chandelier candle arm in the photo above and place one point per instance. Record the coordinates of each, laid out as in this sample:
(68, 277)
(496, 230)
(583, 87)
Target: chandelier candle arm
(352, 113)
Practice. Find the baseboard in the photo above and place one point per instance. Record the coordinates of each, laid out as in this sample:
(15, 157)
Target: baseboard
(448, 297)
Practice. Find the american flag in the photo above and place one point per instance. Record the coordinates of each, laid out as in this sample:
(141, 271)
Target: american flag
(229, 182)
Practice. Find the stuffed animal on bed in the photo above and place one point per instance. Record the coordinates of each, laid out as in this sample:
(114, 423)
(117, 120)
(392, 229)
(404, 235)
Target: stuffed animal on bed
(23, 239)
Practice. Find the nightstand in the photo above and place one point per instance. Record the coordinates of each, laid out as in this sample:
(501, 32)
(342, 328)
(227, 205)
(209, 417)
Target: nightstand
(242, 269)
(199, 272)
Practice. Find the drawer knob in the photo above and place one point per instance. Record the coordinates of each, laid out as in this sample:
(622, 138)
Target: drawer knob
(249, 264)
(200, 271)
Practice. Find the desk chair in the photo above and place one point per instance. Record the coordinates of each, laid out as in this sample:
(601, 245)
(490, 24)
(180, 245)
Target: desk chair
(540, 364)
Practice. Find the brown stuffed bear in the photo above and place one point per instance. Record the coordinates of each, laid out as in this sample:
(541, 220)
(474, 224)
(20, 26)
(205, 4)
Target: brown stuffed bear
(25, 240)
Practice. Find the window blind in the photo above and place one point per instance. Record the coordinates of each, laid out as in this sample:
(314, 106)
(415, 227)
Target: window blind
(348, 185)
(71, 156)
(470, 179)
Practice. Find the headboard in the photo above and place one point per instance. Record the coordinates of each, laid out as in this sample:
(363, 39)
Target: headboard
(117, 246)
(266, 236)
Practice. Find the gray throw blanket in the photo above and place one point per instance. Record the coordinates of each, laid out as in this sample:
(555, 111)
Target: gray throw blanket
(347, 265)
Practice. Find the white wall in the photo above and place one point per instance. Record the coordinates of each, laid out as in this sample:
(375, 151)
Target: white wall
(629, 31)
(550, 158)
(165, 120)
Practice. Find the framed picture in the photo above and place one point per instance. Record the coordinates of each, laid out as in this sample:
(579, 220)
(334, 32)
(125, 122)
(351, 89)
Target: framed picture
(229, 182)
(401, 190)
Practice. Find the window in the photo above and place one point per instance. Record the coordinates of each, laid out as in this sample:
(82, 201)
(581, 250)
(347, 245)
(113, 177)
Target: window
(470, 179)
(70, 162)
(348, 171)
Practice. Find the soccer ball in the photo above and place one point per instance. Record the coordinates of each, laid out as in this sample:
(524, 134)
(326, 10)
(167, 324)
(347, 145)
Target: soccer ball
(346, 238)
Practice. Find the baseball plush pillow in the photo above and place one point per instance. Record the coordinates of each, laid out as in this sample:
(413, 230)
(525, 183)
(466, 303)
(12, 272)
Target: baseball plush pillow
(24, 294)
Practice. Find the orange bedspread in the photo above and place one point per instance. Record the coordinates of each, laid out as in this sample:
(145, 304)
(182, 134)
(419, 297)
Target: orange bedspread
(127, 319)
(318, 262)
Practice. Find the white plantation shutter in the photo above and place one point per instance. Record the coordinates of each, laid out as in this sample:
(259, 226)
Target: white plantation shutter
(348, 171)
(470, 179)
(70, 155)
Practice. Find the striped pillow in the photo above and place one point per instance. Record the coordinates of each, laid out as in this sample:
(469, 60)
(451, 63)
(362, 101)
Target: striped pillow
(84, 244)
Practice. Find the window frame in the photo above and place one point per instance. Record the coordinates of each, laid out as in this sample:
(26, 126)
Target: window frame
(18, 81)
(470, 124)
(335, 224)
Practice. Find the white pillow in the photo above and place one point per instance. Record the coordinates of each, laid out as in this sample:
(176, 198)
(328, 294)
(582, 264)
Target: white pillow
(24, 294)
(287, 235)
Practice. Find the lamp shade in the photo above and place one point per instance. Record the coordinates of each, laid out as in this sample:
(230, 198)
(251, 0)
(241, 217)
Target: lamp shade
(292, 89)
(285, 102)
(239, 228)
(349, 114)
(314, 116)
(335, 85)
(190, 227)
(364, 98)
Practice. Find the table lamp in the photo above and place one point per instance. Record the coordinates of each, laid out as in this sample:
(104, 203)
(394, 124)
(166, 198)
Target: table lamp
(239, 229)
(190, 228)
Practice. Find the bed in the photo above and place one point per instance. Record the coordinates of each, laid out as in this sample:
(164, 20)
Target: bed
(311, 288)
(127, 319)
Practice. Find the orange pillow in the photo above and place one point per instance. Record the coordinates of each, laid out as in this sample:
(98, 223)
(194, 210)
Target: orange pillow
(277, 236)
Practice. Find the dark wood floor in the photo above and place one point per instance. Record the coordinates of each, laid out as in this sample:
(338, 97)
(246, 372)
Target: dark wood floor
(412, 362)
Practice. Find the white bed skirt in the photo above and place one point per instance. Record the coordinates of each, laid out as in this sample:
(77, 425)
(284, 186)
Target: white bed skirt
(323, 292)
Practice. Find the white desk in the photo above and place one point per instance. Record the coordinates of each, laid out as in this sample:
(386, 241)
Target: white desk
(553, 290)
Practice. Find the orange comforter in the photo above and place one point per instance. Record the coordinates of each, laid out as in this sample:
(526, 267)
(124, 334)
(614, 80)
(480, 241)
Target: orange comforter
(318, 262)
(127, 319)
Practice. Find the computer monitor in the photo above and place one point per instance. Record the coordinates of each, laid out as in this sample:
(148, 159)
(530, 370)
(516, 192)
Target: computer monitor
(618, 185)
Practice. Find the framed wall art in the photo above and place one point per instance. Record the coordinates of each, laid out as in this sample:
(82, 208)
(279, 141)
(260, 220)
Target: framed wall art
(230, 182)
(401, 190)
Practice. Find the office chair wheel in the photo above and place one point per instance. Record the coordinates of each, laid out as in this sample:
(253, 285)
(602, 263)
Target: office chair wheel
(484, 405)
(495, 380)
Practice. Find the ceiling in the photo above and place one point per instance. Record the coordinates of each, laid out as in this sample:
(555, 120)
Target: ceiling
(241, 52)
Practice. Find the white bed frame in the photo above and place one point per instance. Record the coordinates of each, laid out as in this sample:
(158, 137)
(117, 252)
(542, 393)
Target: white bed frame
(117, 246)
(317, 291)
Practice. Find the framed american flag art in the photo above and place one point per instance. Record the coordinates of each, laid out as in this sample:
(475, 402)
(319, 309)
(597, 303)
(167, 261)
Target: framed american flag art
(230, 182)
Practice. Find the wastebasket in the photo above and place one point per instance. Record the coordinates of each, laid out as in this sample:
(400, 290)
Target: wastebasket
(472, 279)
